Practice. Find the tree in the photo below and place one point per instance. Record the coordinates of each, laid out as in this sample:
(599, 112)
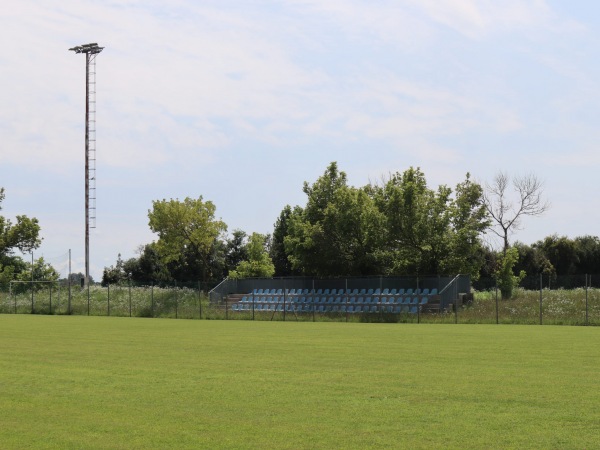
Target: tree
(258, 264)
(430, 231)
(338, 232)
(22, 235)
(561, 252)
(236, 250)
(279, 256)
(114, 274)
(533, 260)
(42, 271)
(588, 251)
(505, 277)
(506, 210)
(186, 229)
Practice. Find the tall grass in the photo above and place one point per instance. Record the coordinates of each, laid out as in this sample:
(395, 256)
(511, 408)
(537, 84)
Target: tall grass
(557, 307)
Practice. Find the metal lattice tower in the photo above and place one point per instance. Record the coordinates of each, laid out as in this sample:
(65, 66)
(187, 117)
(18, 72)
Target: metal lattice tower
(90, 50)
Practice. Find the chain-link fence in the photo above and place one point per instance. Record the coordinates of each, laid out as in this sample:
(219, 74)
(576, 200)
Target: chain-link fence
(370, 299)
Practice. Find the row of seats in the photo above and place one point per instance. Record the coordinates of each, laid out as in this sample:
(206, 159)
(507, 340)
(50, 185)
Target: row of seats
(326, 308)
(355, 292)
(335, 300)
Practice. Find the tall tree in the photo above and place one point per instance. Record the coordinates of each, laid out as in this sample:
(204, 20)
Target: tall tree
(430, 231)
(188, 228)
(279, 255)
(338, 230)
(236, 250)
(507, 207)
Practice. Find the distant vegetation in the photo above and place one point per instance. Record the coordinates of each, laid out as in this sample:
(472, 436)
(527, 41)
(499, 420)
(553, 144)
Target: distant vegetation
(397, 226)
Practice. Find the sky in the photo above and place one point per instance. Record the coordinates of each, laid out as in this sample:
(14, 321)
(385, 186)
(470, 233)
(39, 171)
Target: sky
(240, 102)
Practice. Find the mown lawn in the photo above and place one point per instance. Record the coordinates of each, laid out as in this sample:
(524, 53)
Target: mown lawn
(100, 382)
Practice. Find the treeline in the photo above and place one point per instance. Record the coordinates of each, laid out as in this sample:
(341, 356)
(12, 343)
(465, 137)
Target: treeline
(398, 226)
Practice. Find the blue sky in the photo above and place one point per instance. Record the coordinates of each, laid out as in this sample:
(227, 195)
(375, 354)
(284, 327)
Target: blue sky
(241, 102)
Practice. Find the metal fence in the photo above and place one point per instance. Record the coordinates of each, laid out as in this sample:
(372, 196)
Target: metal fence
(579, 305)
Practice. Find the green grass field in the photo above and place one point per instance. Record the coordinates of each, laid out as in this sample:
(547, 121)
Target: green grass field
(100, 382)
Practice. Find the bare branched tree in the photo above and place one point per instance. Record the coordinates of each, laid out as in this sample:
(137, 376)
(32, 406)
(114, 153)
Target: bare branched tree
(507, 209)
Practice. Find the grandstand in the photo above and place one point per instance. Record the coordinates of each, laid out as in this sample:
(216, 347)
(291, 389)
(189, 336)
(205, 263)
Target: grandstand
(364, 296)
(393, 301)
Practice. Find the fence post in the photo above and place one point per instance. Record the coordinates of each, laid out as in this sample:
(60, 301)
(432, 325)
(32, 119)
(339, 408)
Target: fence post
(50, 298)
(108, 299)
(586, 296)
(10, 295)
(129, 296)
(32, 308)
(88, 298)
(200, 297)
(346, 299)
(199, 302)
(176, 302)
(541, 287)
(284, 299)
(496, 288)
(226, 310)
(253, 303)
(455, 301)
(313, 299)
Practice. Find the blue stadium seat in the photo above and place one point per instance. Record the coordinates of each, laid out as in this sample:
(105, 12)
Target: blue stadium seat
(370, 291)
(434, 291)
(334, 292)
(425, 291)
(424, 300)
(330, 300)
(326, 292)
(350, 308)
(400, 291)
(363, 292)
(234, 307)
(319, 292)
(357, 308)
(415, 301)
(409, 291)
(385, 291)
(397, 309)
(355, 292)
(352, 300)
(377, 291)
(383, 300)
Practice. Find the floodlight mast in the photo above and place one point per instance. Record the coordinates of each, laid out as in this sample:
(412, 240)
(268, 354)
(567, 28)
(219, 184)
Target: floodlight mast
(90, 50)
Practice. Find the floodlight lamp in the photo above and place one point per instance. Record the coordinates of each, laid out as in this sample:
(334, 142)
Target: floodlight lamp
(92, 48)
